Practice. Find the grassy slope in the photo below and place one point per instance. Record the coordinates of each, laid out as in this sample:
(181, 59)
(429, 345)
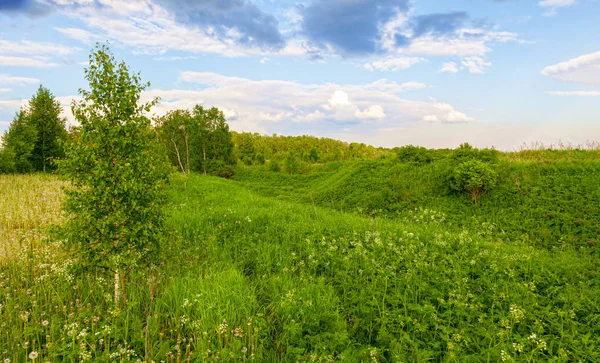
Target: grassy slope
(547, 202)
(318, 285)
(332, 284)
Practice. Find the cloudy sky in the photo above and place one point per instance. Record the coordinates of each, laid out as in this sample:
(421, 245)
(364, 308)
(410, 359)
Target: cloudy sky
(386, 72)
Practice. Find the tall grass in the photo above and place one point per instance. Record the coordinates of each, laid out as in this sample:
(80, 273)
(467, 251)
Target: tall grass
(246, 277)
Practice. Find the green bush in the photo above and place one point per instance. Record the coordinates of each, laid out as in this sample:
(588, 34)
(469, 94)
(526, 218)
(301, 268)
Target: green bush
(467, 152)
(473, 177)
(274, 166)
(415, 154)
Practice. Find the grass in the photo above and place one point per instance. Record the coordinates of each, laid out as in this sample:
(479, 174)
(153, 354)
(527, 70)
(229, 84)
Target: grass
(248, 277)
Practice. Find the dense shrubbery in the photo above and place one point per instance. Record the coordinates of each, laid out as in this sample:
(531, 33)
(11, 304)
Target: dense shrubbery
(252, 149)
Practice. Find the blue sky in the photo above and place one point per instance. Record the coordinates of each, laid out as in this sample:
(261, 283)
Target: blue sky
(387, 72)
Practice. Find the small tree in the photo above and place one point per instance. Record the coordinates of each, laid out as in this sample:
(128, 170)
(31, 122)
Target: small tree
(116, 200)
(473, 177)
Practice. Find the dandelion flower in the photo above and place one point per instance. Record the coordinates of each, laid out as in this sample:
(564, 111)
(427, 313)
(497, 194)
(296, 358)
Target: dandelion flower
(7, 360)
(33, 355)
(45, 323)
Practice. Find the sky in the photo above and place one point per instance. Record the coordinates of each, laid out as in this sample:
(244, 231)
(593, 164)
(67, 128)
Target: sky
(435, 73)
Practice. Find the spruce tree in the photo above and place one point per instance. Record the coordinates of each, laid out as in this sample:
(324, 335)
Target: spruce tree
(44, 114)
(18, 145)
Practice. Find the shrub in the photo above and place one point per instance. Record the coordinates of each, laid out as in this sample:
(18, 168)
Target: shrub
(467, 152)
(415, 154)
(274, 166)
(473, 177)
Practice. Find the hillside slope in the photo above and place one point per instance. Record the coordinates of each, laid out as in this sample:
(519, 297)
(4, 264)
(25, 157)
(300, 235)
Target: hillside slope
(549, 202)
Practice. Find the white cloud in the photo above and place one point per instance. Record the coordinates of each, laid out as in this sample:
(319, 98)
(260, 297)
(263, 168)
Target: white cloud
(475, 64)
(556, 3)
(17, 81)
(574, 93)
(393, 63)
(503, 136)
(149, 28)
(26, 62)
(5, 90)
(307, 102)
(81, 35)
(371, 112)
(450, 67)
(583, 69)
(34, 48)
(12, 104)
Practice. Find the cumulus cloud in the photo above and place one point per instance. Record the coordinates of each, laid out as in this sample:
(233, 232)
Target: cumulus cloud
(583, 69)
(291, 102)
(252, 26)
(438, 24)
(349, 27)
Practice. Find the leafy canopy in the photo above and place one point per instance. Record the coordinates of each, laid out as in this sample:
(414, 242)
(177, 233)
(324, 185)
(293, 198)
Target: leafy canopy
(117, 196)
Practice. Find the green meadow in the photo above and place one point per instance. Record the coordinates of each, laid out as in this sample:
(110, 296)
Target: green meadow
(355, 261)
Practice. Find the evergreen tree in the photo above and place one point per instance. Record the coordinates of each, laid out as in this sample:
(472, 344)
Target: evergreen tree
(44, 114)
(18, 145)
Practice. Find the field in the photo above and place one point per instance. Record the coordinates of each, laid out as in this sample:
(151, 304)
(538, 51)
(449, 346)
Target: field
(320, 268)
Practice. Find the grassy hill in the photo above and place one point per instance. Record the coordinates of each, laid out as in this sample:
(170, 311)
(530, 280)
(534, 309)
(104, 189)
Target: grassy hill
(547, 200)
(304, 275)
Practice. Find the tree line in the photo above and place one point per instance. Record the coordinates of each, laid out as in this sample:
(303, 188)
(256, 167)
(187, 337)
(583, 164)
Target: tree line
(197, 140)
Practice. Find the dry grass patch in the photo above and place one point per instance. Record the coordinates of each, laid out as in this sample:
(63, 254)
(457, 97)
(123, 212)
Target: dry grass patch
(29, 204)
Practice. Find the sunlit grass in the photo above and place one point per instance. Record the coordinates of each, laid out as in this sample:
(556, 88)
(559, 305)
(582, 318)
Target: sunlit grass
(249, 278)
(29, 204)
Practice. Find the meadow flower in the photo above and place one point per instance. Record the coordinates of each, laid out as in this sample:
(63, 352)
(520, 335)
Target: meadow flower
(45, 323)
(33, 355)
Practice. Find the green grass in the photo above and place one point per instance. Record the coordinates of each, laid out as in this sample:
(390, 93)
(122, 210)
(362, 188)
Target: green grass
(547, 203)
(246, 277)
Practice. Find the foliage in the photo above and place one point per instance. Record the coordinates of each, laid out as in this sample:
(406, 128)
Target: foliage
(18, 145)
(549, 203)
(35, 137)
(252, 278)
(197, 140)
(44, 115)
(291, 164)
(473, 177)
(467, 152)
(117, 195)
(274, 166)
(415, 154)
(307, 149)
(174, 133)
